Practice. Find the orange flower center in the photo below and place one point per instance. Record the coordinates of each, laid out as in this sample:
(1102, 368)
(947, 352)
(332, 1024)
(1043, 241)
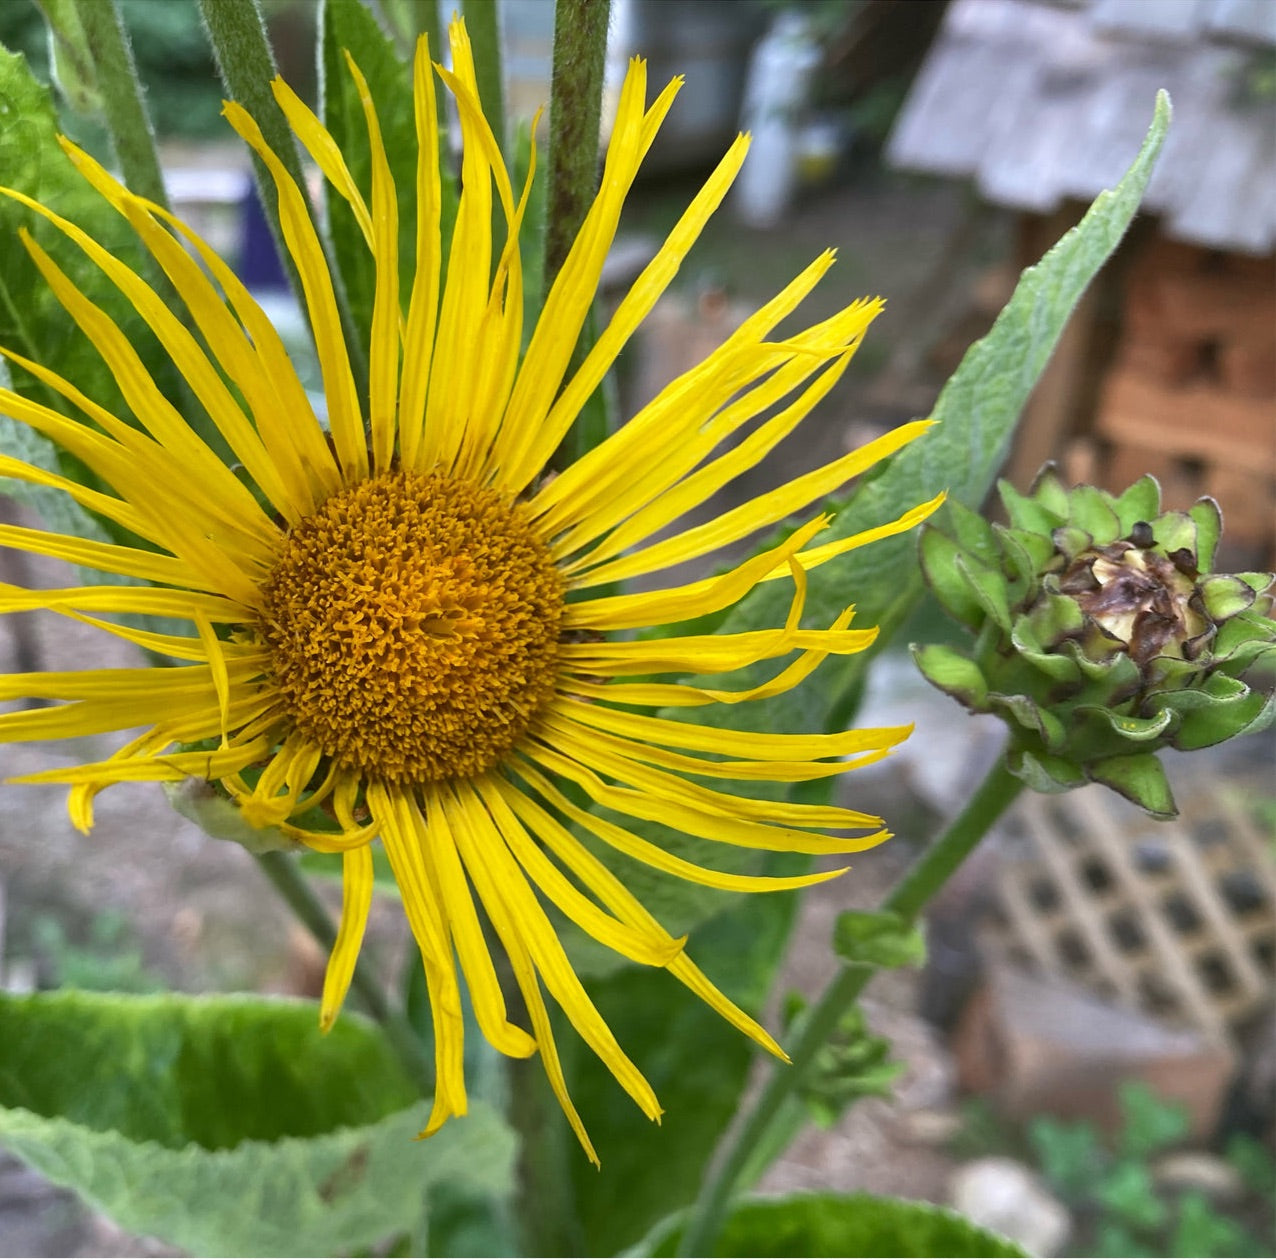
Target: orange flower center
(413, 625)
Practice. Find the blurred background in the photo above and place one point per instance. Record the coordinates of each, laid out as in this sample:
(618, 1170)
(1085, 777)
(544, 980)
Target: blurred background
(1099, 992)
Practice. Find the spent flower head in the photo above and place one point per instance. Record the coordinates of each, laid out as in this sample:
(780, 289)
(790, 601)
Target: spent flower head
(1101, 633)
(399, 631)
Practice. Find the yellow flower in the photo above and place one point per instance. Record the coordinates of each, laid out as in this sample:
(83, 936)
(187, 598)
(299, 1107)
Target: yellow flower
(404, 637)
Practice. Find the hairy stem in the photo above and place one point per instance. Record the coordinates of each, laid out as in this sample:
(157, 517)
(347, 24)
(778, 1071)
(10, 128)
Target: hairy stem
(576, 96)
(126, 118)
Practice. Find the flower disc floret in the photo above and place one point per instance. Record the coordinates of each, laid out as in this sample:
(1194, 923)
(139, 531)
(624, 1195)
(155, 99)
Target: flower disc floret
(413, 626)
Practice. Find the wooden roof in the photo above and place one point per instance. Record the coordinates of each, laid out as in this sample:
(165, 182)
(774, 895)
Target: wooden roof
(1040, 102)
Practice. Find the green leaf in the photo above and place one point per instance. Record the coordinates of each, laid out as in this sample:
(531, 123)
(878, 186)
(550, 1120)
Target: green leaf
(878, 938)
(1139, 778)
(842, 1225)
(1043, 772)
(32, 321)
(938, 554)
(1128, 1193)
(697, 1063)
(230, 1125)
(1068, 1154)
(953, 673)
(1140, 501)
(1209, 526)
(339, 1193)
(978, 410)
(1093, 512)
(989, 587)
(209, 1070)
(1225, 596)
(1149, 1123)
(1028, 513)
(1132, 728)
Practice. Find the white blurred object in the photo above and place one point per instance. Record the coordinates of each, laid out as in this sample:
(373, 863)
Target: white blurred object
(775, 95)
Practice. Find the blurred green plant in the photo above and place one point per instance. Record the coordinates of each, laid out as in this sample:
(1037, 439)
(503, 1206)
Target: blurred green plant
(1122, 1209)
(109, 959)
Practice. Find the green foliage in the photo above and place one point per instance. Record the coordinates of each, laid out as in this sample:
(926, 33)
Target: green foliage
(231, 1126)
(108, 961)
(854, 1063)
(1112, 1188)
(842, 1225)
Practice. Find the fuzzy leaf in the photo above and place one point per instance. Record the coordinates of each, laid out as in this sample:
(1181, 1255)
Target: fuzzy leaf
(841, 1225)
(229, 1125)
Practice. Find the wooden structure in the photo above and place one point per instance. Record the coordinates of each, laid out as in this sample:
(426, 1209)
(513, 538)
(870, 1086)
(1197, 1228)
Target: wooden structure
(1169, 365)
(1175, 920)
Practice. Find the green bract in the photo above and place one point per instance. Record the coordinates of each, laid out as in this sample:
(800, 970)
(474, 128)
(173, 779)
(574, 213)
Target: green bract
(1101, 635)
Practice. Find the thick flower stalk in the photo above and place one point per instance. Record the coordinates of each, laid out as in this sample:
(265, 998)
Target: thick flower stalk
(1101, 634)
(396, 627)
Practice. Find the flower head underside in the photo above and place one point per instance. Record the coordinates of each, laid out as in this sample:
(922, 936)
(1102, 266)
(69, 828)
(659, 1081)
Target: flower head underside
(400, 631)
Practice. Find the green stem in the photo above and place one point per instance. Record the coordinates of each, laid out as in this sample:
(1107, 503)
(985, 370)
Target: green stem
(246, 63)
(126, 118)
(300, 897)
(482, 21)
(576, 99)
(920, 883)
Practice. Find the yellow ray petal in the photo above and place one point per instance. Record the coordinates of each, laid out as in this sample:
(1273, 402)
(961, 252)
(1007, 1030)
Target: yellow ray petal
(633, 309)
(256, 363)
(356, 901)
(150, 566)
(147, 600)
(513, 907)
(726, 742)
(344, 418)
(403, 839)
(593, 478)
(418, 340)
(160, 418)
(813, 557)
(677, 811)
(626, 906)
(650, 949)
(175, 511)
(572, 293)
(443, 867)
(693, 599)
(630, 844)
(759, 512)
(458, 349)
(383, 346)
(194, 366)
(103, 504)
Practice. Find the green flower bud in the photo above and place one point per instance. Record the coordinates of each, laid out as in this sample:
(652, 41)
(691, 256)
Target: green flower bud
(1101, 635)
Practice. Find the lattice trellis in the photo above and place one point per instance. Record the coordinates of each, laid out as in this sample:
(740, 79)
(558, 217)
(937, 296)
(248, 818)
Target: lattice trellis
(1174, 919)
